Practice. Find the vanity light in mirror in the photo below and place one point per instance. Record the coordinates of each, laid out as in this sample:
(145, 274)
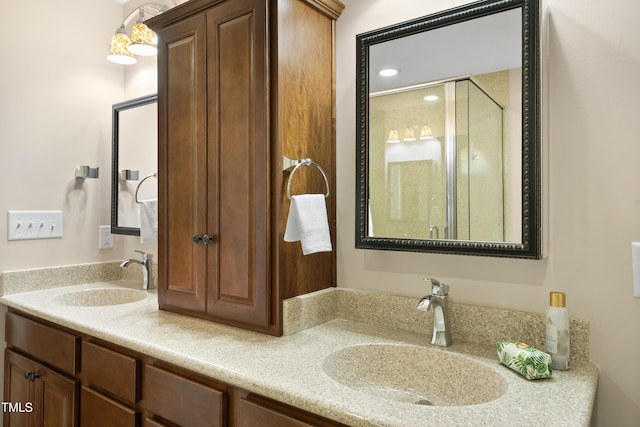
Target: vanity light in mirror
(409, 135)
(393, 136)
(449, 150)
(425, 133)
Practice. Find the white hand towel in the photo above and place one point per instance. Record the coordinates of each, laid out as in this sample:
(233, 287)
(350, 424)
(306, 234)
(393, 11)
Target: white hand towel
(148, 221)
(308, 223)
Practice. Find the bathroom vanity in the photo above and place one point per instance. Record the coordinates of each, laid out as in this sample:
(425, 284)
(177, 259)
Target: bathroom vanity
(144, 366)
(68, 378)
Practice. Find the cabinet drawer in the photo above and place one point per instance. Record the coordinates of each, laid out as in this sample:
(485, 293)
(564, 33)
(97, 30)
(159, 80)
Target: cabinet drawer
(110, 371)
(56, 348)
(255, 410)
(182, 401)
(99, 411)
(251, 414)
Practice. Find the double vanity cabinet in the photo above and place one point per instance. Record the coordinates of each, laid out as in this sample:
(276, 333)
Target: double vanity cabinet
(59, 377)
(242, 84)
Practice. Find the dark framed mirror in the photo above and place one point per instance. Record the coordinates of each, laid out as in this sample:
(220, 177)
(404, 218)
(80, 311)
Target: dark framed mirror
(134, 161)
(448, 133)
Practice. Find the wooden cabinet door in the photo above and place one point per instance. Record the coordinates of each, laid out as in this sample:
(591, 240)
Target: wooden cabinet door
(238, 159)
(56, 399)
(18, 389)
(47, 398)
(182, 165)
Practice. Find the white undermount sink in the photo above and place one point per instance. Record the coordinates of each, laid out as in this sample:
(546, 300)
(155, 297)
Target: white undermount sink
(100, 297)
(414, 374)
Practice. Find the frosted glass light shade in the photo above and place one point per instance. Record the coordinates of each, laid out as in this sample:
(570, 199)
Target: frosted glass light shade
(141, 40)
(119, 52)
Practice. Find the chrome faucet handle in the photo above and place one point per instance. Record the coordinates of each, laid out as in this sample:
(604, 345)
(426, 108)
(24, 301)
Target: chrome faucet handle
(145, 255)
(438, 288)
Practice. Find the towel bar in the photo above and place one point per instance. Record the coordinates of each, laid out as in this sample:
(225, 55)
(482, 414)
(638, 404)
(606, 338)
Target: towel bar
(153, 175)
(289, 164)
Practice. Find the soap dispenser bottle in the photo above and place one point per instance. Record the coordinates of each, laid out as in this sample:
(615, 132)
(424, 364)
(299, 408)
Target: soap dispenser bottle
(557, 343)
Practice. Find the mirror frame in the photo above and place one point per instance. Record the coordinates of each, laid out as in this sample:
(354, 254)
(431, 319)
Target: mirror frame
(531, 245)
(115, 142)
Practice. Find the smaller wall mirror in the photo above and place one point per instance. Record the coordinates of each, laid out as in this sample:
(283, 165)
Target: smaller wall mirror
(448, 116)
(134, 161)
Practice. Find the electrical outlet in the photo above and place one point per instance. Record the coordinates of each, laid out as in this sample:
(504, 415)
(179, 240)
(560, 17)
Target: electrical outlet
(105, 238)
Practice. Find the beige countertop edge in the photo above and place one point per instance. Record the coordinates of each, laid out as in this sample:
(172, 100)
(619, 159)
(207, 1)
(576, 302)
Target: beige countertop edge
(289, 369)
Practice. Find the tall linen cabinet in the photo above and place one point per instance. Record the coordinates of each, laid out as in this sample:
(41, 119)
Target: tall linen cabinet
(242, 83)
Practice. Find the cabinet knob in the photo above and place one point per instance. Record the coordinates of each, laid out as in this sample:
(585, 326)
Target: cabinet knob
(31, 376)
(205, 238)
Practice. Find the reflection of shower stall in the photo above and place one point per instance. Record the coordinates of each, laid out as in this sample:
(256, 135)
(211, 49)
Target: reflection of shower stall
(475, 171)
(450, 186)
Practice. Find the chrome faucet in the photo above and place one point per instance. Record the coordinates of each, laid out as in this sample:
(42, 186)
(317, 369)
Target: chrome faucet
(145, 263)
(440, 302)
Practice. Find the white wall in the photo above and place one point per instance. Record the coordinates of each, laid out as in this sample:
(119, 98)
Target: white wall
(594, 200)
(56, 92)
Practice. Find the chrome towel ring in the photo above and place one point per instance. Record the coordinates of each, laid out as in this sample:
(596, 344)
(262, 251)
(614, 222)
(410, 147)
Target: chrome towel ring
(293, 165)
(153, 175)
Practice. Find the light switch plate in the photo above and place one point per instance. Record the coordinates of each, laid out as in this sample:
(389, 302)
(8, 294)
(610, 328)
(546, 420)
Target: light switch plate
(28, 225)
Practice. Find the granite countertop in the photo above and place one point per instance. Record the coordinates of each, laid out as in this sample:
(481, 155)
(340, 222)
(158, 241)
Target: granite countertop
(290, 368)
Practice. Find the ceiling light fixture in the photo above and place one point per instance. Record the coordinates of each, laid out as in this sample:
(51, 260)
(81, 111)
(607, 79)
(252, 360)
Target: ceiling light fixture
(388, 72)
(430, 98)
(143, 40)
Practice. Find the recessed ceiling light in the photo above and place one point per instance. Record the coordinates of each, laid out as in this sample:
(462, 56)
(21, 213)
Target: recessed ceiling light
(388, 72)
(430, 98)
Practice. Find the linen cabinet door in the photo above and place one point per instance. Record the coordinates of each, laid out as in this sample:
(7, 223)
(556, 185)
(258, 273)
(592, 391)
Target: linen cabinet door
(239, 284)
(182, 164)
